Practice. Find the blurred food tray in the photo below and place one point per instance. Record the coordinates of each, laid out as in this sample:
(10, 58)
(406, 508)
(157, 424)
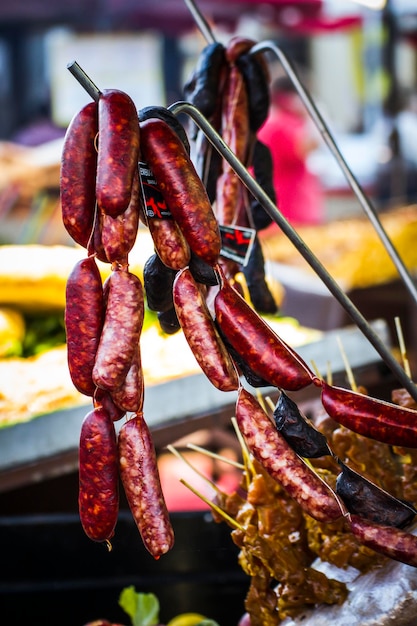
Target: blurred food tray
(47, 446)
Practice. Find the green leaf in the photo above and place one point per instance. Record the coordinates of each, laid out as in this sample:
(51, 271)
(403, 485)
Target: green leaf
(142, 608)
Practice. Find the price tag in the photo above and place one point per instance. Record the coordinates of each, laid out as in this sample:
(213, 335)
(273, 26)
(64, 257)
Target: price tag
(237, 242)
(155, 206)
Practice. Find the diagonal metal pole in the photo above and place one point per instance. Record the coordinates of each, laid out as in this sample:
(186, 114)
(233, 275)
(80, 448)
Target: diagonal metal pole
(331, 143)
(291, 233)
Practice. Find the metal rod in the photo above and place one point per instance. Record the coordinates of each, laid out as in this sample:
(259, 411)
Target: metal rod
(257, 191)
(84, 80)
(201, 21)
(331, 143)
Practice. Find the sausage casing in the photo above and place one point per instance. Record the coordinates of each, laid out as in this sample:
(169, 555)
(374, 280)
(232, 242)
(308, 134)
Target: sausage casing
(282, 463)
(84, 310)
(392, 542)
(121, 329)
(118, 151)
(265, 353)
(201, 333)
(181, 187)
(142, 486)
(98, 476)
(78, 174)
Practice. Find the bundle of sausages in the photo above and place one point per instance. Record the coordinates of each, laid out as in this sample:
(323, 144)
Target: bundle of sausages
(103, 197)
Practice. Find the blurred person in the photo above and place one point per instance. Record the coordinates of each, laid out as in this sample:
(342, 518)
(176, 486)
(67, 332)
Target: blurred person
(291, 137)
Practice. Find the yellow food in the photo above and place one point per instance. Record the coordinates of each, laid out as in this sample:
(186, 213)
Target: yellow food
(12, 331)
(186, 619)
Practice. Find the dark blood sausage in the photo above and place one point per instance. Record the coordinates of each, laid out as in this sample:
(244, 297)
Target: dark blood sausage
(254, 273)
(142, 486)
(98, 498)
(365, 498)
(158, 280)
(367, 416)
(129, 396)
(264, 352)
(202, 89)
(118, 234)
(118, 151)
(202, 272)
(282, 463)
(168, 321)
(256, 75)
(181, 187)
(103, 399)
(201, 333)
(84, 311)
(299, 431)
(391, 542)
(263, 171)
(121, 329)
(78, 174)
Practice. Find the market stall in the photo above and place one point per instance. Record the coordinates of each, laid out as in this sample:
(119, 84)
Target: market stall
(178, 317)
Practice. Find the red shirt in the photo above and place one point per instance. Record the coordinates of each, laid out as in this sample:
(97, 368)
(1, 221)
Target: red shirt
(299, 193)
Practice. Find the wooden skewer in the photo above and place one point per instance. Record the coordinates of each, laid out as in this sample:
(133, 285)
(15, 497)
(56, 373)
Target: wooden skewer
(197, 471)
(349, 372)
(213, 455)
(212, 505)
(403, 351)
(249, 467)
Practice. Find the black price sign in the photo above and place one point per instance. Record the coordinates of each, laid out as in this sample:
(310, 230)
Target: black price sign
(237, 243)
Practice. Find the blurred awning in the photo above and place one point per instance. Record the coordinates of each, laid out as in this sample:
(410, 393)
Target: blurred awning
(170, 16)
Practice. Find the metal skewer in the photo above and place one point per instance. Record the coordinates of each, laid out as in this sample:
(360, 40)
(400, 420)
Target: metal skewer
(201, 21)
(257, 191)
(84, 80)
(331, 143)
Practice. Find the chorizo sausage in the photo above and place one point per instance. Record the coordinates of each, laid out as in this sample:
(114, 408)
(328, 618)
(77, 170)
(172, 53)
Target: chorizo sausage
(282, 463)
(367, 416)
(142, 486)
(169, 242)
(118, 151)
(201, 333)
(103, 399)
(391, 542)
(98, 476)
(84, 311)
(121, 329)
(118, 234)
(129, 396)
(78, 174)
(265, 353)
(181, 188)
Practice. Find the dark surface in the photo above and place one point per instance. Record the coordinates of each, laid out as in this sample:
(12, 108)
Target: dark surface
(53, 574)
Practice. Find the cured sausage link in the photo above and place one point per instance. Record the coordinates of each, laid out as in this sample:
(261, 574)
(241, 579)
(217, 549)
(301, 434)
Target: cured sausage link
(98, 476)
(367, 416)
(282, 463)
(78, 174)
(121, 329)
(181, 187)
(118, 151)
(142, 486)
(261, 348)
(392, 542)
(201, 333)
(84, 310)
